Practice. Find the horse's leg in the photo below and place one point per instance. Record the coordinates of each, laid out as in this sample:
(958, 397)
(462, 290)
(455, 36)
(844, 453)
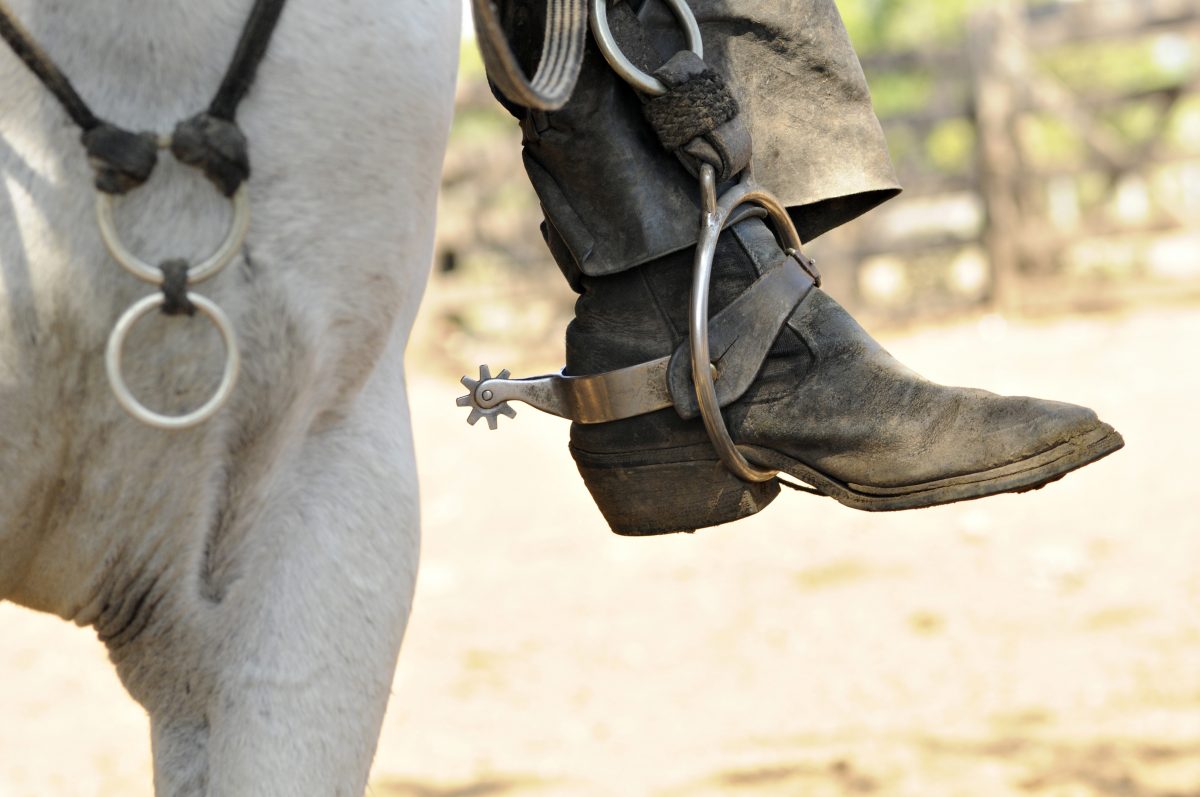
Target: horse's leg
(180, 744)
(314, 625)
(276, 683)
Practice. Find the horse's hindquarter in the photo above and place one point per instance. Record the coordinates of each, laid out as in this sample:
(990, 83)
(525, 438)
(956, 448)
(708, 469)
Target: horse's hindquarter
(346, 123)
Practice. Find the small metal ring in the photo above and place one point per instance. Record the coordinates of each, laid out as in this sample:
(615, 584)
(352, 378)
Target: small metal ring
(125, 397)
(716, 213)
(139, 268)
(646, 84)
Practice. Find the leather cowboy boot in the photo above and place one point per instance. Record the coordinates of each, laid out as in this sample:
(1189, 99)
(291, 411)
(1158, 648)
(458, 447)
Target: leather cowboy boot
(828, 406)
(802, 387)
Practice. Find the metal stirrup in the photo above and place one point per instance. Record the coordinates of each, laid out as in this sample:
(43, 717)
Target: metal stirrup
(716, 212)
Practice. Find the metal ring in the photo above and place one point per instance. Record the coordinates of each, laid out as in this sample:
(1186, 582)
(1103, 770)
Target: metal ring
(716, 213)
(139, 268)
(646, 84)
(125, 397)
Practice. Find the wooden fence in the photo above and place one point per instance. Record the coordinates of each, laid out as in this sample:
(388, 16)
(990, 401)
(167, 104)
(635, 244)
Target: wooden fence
(1054, 158)
(1051, 161)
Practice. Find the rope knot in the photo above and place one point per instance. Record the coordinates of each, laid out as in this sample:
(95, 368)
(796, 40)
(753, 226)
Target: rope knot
(122, 160)
(697, 101)
(175, 288)
(698, 118)
(215, 146)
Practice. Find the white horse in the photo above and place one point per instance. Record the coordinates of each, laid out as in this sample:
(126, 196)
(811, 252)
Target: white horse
(252, 577)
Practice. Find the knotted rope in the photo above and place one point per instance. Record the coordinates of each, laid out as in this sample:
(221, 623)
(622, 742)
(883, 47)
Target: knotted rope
(697, 118)
(210, 141)
(697, 102)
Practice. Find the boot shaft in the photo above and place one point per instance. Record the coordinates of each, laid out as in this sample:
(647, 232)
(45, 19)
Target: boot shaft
(615, 199)
(641, 314)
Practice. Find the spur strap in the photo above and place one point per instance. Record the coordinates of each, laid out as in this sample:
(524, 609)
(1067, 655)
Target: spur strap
(741, 336)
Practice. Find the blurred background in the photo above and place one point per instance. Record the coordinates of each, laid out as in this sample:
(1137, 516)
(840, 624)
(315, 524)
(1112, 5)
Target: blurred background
(1047, 243)
(1050, 154)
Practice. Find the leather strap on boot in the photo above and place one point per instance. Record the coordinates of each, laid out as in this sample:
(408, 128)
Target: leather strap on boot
(740, 335)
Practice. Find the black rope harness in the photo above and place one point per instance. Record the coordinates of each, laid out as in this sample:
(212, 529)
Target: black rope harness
(211, 141)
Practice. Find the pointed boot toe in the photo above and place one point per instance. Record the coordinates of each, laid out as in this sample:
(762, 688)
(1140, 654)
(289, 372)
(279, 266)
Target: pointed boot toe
(1010, 444)
(866, 430)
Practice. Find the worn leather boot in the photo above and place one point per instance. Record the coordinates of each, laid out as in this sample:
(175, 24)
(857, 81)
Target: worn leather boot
(829, 406)
(814, 396)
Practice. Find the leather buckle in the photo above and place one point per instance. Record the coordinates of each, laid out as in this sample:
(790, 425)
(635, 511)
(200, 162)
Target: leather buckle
(807, 263)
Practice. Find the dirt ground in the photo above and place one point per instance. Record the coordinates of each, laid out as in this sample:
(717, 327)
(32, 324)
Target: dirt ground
(1044, 645)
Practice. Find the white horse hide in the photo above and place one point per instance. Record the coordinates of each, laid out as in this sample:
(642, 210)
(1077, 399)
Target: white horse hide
(251, 577)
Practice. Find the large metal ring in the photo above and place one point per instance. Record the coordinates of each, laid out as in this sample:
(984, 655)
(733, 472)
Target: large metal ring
(139, 268)
(646, 84)
(125, 397)
(716, 213)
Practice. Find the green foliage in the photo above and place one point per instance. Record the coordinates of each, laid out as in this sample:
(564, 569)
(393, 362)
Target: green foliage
(1096, 72)
(1137, 122)
(1183, 129)
(950, 148)
(480, 125)
(1048, 141)
(881, 25)
(897, 93)
(906, 148)
(470, 62)
(1124, 65)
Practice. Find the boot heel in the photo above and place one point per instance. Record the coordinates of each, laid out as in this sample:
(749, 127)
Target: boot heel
(644, 500)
